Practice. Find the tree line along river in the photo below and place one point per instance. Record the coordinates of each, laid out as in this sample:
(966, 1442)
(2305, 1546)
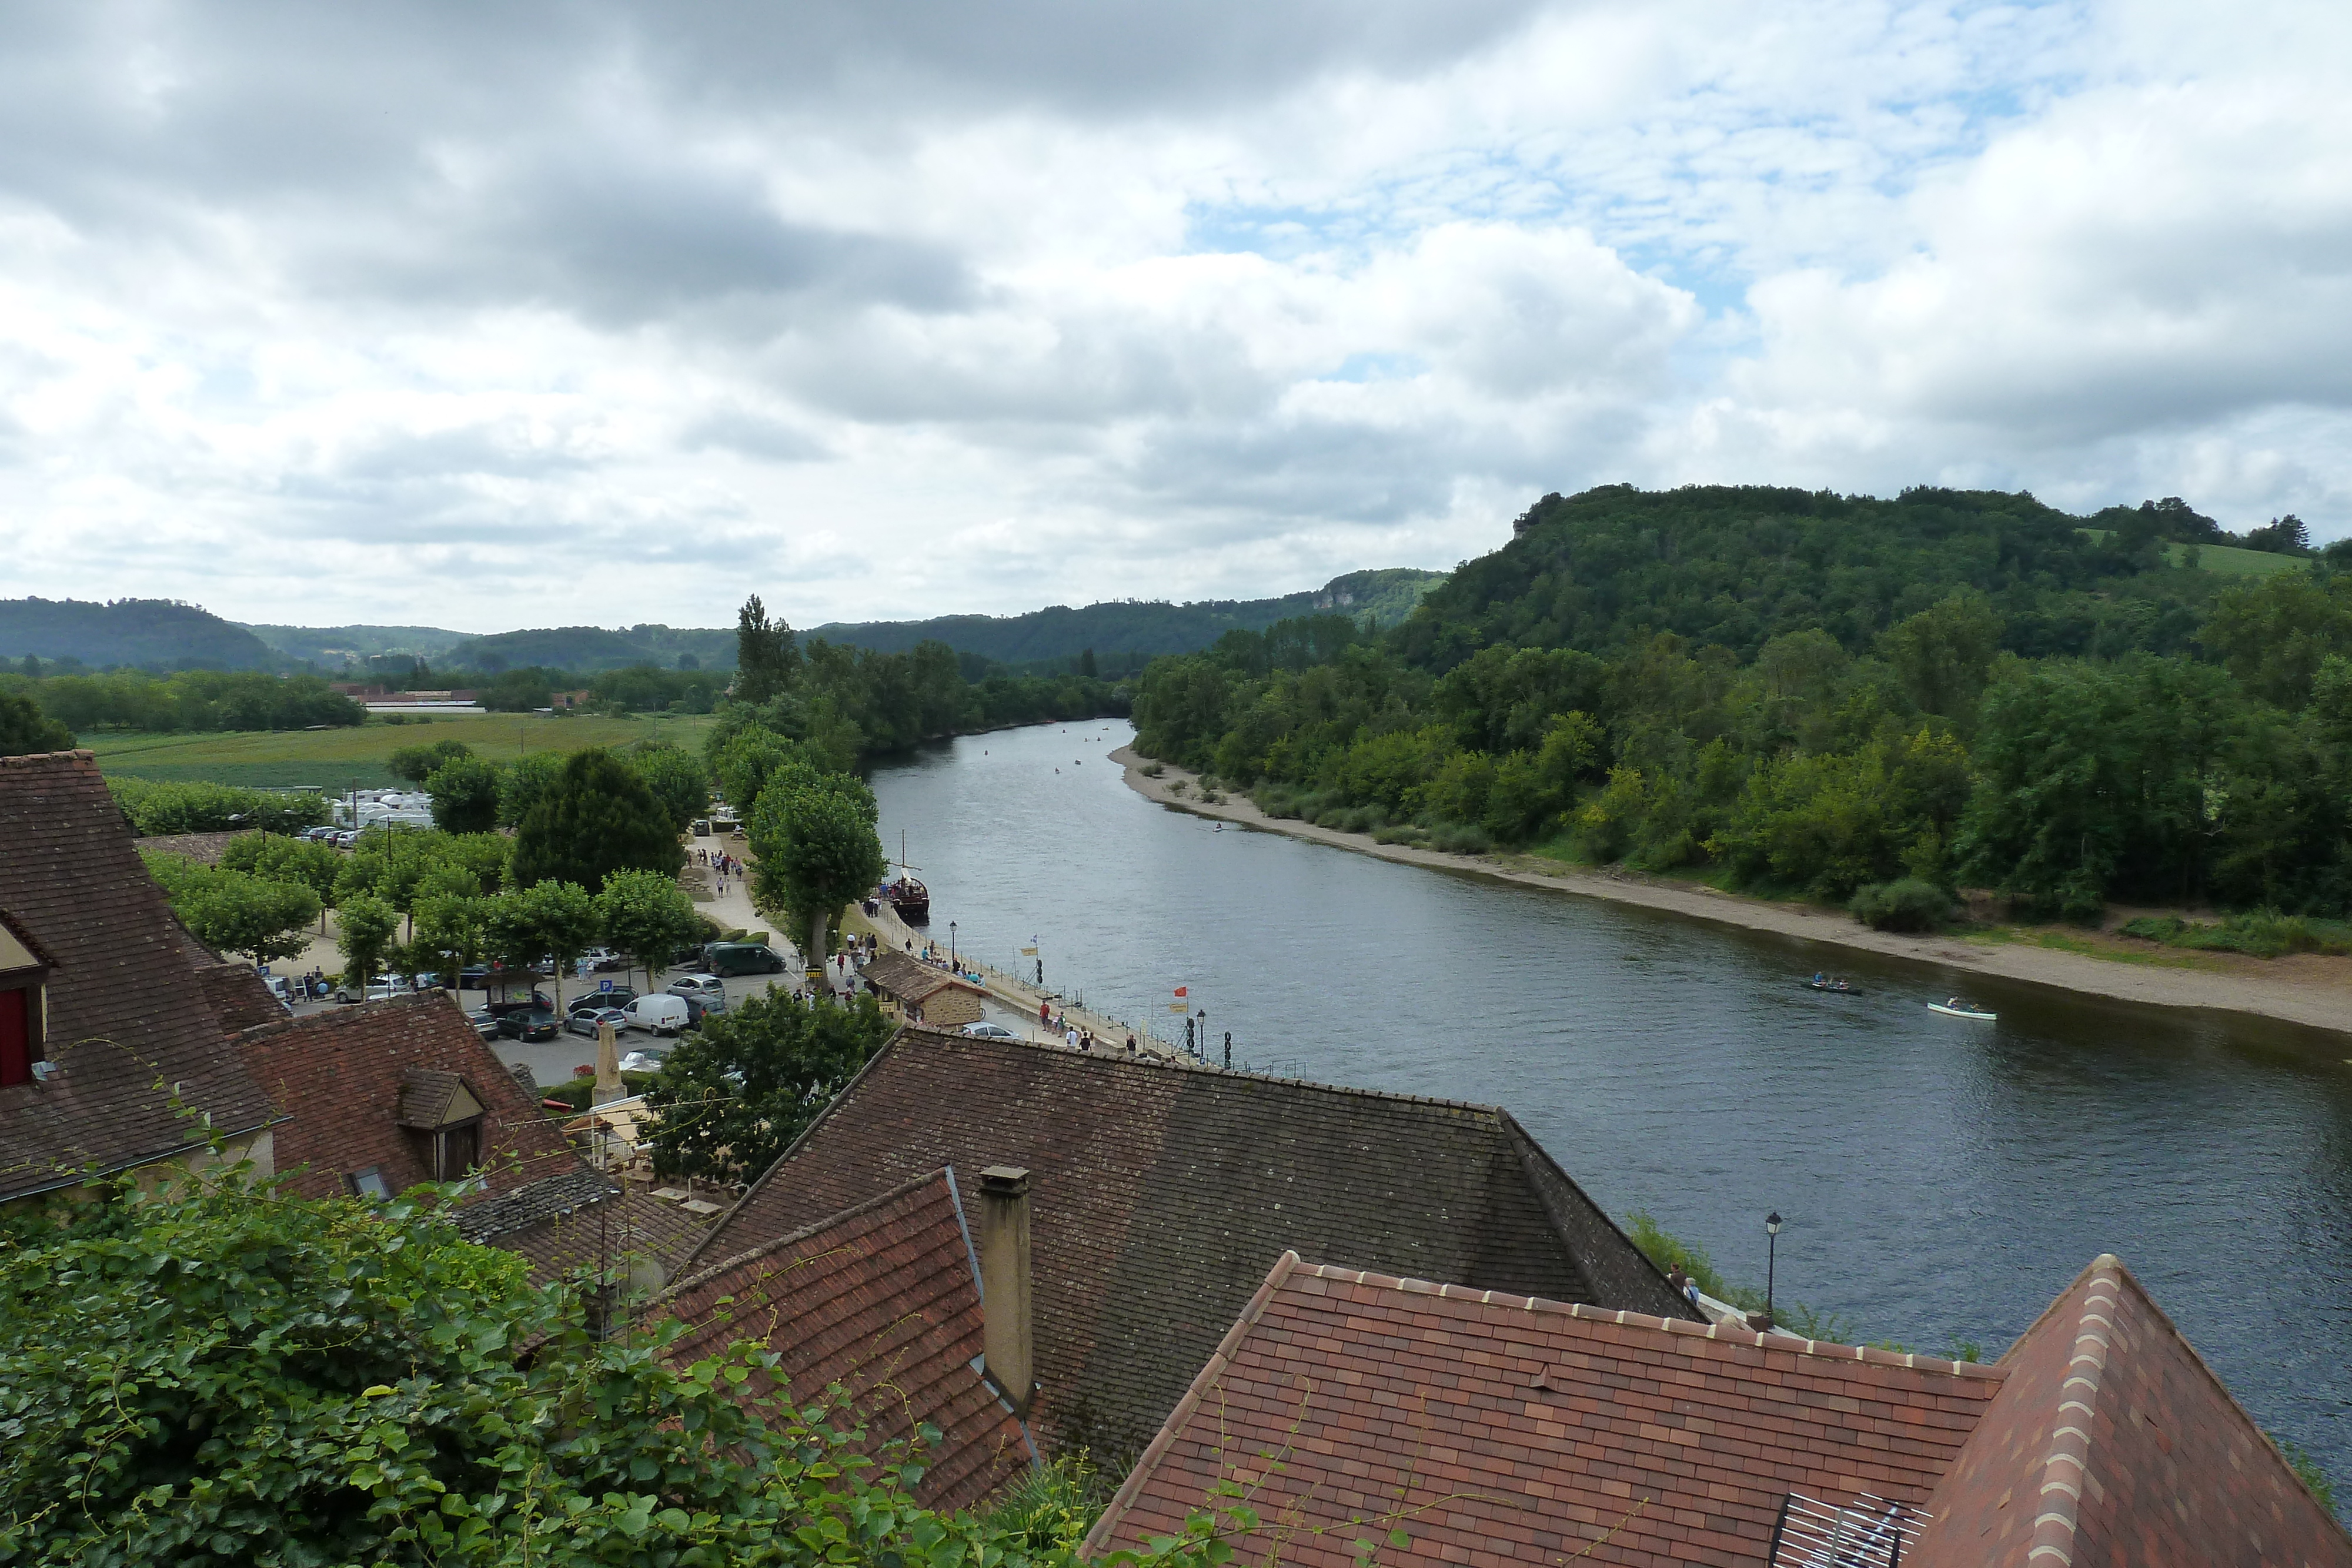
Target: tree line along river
(1941, 1180)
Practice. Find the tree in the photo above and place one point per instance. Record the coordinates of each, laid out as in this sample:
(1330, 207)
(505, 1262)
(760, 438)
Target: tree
(234, 911)
(277, 858)
(465, 791)
(554, 920)
(367, 925)
(25, 730)
(813, 837)
(648, 916)
(225, 1372)
(677, 779)
(449, 934)
(600, 819)
(525, 782)
(766, 657)
(734, 1095)
(417, 763)
(746, 761)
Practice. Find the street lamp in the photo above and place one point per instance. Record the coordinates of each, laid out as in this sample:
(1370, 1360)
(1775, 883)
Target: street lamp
(951, 950)
(1771, 1250)
(1204, 1036)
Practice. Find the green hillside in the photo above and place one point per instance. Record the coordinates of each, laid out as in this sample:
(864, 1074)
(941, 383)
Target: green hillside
(152, 634)
(1881, 701)
(329, 647)
(1380, 599)
(588, 649)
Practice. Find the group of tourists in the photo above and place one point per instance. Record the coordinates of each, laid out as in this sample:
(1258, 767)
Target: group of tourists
(722, 865)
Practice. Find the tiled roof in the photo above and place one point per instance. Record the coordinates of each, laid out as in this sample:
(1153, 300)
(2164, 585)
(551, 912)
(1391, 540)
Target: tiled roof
(338, 1075)
(128, 1019)
(901, 979)
(2112, 1443)
(883, 1299)
(1494, 1428)
(489, 1219)
(1162, 1195)
(205, 849)
(237, 995)
(624, 1229)
(427, 1095)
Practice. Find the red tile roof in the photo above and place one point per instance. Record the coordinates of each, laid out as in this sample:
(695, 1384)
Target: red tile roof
(885, 1301)
(340, 1077)
(129, 1019)
(239, 996)
(625, 1231)
(1164, 1193)
(1500, 1428)
(2112, 1443)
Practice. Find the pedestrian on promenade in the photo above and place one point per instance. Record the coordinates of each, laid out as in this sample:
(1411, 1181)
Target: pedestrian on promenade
(1070, 1036)
(1045, 1015)
(1131, 1045)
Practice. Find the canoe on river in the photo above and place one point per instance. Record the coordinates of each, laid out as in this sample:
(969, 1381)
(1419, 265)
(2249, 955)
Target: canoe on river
(1956, 1008)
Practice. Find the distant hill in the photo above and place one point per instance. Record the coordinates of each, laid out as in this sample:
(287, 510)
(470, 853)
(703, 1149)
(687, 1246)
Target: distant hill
(329, 647)
(153, 633)
(1142, 627)
(584, 650)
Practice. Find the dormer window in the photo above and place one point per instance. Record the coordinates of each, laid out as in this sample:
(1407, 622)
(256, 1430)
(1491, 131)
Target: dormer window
(24, 1003)
(444, 1117)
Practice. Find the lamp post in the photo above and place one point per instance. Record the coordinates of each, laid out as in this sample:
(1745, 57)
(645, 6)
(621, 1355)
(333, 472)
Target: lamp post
(1771, 1250)
(951, 949)
(1204, 1036)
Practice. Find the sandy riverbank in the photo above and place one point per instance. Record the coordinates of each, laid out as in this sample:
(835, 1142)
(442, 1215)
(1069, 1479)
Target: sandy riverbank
(2303, 989)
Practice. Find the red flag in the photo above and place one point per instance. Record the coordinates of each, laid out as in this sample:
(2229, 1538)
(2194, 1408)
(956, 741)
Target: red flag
(1180, 990)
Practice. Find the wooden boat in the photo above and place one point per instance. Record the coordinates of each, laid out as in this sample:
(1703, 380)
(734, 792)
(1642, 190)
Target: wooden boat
(1956, 1008)
(910, 898)
(1831, 988)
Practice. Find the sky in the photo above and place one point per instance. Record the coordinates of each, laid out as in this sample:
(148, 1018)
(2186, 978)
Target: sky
(581, 313)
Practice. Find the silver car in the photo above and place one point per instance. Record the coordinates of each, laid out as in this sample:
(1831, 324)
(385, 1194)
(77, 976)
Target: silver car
(708, 989)
(588, 1019)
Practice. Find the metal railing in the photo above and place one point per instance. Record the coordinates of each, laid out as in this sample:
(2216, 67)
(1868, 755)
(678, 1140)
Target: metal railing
(1868, 1532)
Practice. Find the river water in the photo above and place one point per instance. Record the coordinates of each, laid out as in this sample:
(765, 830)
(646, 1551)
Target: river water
(1941, 1181)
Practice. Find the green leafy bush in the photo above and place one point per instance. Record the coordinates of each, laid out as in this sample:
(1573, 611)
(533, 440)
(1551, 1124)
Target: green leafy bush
(1905, 904)
(2261, 933)
(157, 809)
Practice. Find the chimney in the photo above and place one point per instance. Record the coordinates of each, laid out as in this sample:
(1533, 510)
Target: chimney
(608, 1067)
(1008, 1349)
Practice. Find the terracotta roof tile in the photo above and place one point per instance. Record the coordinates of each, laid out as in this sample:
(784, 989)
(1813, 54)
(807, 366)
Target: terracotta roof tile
(883, 1299)
(238, 996)
(2112, 1443)
(339, 1076)
(1498, 1427)
(624, 1228)
(1163, 1193)
(129, 1017)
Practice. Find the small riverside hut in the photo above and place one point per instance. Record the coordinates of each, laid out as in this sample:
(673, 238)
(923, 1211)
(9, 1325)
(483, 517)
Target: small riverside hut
(915, 992)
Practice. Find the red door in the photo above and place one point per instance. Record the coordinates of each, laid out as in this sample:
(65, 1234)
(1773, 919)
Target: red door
(15, 1037)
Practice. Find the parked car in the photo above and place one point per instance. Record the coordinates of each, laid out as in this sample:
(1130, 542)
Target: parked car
(726, 959)
(532, 1024)
(588, 1001)
(657, 1014)
(642, 1061)
(708, 989)
(487, 1024)
(519, 1005)
(989, 1031)
(346, 839)
(378, 990)
(590, 1020)
(605, 960)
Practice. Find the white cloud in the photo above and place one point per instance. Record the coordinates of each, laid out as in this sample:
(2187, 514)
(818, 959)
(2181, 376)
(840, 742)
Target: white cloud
(898, 313)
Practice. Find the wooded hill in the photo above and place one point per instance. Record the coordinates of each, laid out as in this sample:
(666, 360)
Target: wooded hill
(1827, 695)
(150, 633)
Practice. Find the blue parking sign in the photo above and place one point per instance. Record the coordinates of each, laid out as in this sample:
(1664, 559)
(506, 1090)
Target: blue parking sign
(603, 985)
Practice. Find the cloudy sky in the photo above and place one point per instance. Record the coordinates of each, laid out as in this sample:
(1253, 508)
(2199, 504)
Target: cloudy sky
(530, 314)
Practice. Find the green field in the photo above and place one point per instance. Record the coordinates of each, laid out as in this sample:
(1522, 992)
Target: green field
(354, 758)
(2226, 560)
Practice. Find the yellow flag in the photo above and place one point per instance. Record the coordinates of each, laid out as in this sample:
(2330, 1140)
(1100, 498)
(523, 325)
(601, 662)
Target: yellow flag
(1028, 952)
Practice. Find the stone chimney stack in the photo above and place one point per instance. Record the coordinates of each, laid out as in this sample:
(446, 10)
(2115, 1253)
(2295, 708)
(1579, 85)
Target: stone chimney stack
(1008, 1351)
(608, 1067)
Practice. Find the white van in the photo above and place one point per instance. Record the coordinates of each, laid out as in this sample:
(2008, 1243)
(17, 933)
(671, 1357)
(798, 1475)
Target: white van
(661, 1013)
(708, 989)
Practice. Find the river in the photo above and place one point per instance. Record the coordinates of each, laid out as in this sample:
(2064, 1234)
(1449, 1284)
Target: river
(1941, 1181)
